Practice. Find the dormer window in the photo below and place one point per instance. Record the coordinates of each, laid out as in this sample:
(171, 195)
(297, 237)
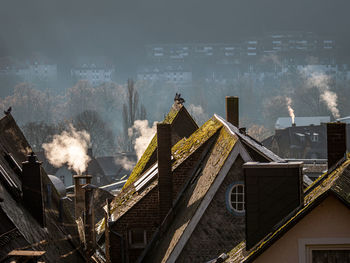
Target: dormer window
(235, 198)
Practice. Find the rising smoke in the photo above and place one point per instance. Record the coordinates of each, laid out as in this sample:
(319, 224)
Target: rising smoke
(125, 163)
(70, 147)
(142, 134)
(321, 81)
(290, 109)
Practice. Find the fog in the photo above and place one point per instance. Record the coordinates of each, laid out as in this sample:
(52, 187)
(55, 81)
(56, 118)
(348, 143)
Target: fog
(277, 79)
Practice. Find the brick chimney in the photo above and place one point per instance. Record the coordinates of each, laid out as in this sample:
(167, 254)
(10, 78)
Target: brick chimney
(336, 142)
(32, 189)
(232, 110)
(165, 185)
(272, 192)
(79, 193)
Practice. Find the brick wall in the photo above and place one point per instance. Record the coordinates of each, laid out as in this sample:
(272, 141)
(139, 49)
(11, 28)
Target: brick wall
(145, 214)
(219, 230)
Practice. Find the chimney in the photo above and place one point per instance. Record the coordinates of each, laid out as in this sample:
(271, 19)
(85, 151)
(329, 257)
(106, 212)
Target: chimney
(32, 190)
(336, 142)
(165, 185)
(79, 194)
(232, 110)
(272, 192)
(89, 221)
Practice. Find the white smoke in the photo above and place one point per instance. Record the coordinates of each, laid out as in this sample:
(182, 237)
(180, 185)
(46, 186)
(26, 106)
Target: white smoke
(197, 112)
(290, 109)
(70, 147)
(125, 163)
(321, 81)
(143, 135)
(330, 98)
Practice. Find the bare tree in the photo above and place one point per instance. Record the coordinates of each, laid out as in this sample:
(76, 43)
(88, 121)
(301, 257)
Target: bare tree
(131, 112)
(38, 133)
(102, 137)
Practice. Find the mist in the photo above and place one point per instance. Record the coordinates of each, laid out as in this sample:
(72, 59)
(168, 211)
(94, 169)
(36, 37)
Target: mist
(261, 51)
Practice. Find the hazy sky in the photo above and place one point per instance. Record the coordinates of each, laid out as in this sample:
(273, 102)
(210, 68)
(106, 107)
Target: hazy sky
(121, 28)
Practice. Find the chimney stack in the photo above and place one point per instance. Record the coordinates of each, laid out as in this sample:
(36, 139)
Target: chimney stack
(232, 110)
(32, 188)
(79, 193)
(89, 221)
(165, 185)
(336, 142)
(272, 192)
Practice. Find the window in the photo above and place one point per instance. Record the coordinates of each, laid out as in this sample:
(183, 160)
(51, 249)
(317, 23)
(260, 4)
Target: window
(330, 256)
(235, 198)
(314, 137)
(324, 250)
(137, 238)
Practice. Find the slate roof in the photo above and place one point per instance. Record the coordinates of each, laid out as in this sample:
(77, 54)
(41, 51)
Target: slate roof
(335, 182)
(60, 241)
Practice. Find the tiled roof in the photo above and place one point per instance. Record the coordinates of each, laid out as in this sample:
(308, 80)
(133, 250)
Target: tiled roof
(336, 181)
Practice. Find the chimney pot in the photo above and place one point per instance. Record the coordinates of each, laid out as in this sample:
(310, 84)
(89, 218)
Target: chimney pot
(232, 110)
(165, 186)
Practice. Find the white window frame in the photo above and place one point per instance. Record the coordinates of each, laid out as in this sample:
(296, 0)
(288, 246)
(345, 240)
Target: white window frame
(230, 200)
(306, 246)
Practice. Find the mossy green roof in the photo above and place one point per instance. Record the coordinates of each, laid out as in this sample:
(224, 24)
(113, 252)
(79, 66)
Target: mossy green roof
(180, 151)
(333, 181)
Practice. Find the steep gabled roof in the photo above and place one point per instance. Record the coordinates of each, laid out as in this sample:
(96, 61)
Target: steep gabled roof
(180, 152)
(58, 240)
(196, 197)
(182, 127)
(335, 182)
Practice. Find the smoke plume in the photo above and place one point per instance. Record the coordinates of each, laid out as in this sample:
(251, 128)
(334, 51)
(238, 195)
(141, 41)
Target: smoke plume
(142, 134)
(197, 113)
(70, 147)
(290, 109)
(321, 81)
(330, 98)
(125, 163)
